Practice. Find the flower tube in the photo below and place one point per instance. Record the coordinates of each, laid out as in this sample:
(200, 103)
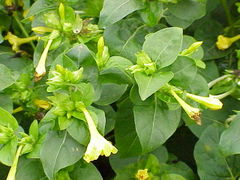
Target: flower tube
(13, 169)
(98, 145)
(211, 102)
(192, 112)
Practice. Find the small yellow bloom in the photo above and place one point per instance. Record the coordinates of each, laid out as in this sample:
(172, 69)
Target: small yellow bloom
(41, 69)
(210, 102)
(225, 42)
(42, 104)
(98, 145)
(142, 174)
(192, 112)
(8, 2)
(16, 41)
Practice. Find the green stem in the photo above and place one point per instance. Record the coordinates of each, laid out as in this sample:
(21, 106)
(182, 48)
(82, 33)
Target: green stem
(227, 11)
(221, 96)
(13, 169)
(212, 83)
(15, 15)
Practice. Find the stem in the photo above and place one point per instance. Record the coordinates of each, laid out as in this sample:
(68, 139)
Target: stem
(15, 15)
(221, 96)
(12, 172)
(212, 83)
(227, 11)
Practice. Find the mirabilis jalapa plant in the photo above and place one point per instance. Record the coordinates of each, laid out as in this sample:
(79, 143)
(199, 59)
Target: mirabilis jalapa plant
(118, 89)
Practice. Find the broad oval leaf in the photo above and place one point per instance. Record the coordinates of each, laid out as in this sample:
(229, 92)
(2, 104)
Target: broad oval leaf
(230, 138)
(211, 163)
(7, 119)
(59, 151)
(7, 77)
(164, 45)
(154, 124)
(115, 10)
(150, 84)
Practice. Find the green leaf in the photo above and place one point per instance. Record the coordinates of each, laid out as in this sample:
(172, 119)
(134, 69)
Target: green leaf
(7, 119)
(6, 102)
(150, 84)
(185, 70)
(211, 163)
(110, 93)
(33, 130)
(41, 6)
(115, 71)
(79, 131)
(115, 10)
(164, 45)
(172, 177)
(8, 151)
(229, 140)
(29, 169)
(125, 38)
(153, 12)
(7, 77)
(154, 124)
(59, 151)
(127, 140)
(195, 9)
(86, 171)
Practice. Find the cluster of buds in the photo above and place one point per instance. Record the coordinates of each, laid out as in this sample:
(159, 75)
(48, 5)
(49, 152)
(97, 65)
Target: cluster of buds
(102, 55)
(194, 113)
(225, 42)
(144, 64)
(6, 134)
(16, 42)
(61, 76)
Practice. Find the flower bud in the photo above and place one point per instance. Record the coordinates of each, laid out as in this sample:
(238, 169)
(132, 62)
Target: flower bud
(6, 134)
(41, 29)
(210, 102)
(194, 47)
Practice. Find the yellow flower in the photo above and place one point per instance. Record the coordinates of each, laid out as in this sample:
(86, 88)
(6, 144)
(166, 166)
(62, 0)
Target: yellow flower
(142, 174)
(42, 104)
(192, 112)
(210, 102)
(16, 41)
(98, 145)
(41, 69)
(8, 2)
(225, 42)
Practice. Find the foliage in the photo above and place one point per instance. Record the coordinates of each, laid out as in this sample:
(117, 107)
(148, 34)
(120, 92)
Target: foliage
(150, 85)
